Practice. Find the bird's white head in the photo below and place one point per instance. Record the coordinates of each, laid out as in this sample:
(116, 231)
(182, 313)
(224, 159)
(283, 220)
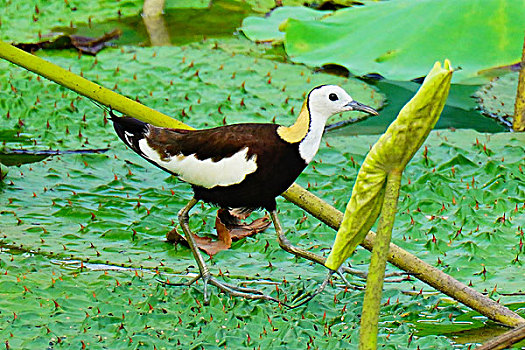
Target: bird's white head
(322, 102)
(327, 100)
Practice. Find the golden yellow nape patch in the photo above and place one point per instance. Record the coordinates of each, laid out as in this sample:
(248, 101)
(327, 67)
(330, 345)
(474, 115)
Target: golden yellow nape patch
(298, 130)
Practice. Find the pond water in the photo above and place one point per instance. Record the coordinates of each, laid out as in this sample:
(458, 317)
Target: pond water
(459, 112)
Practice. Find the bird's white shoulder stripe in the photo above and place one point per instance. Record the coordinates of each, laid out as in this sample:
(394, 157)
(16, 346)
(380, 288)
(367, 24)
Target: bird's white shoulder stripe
(128, 137)
(205, 173)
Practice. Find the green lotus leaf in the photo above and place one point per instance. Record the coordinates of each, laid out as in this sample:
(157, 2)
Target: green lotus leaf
(400, 39)
(268, 28)
(498, 97)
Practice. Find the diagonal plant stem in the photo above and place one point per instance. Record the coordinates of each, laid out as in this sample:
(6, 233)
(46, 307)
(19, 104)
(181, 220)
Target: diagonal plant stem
(376, 270)
(87, 88)
(505, 340)
(295, 194)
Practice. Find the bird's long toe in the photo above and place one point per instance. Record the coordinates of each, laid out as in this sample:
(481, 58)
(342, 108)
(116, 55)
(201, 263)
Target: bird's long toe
(237, 291)
(228, 288)
(240, 289)
(206, 279)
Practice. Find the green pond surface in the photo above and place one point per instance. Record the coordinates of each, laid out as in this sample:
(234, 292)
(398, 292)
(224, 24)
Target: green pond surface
(82, 235)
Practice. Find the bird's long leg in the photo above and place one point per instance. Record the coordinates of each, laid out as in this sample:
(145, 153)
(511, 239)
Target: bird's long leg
(205, 274)
(285, 244)
(184, 224)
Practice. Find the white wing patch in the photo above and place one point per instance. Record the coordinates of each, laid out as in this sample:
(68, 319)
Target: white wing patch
(205, 173)
(128, 137)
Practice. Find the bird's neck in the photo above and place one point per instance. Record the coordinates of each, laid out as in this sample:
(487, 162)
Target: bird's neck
(297, 132)
(306, 131)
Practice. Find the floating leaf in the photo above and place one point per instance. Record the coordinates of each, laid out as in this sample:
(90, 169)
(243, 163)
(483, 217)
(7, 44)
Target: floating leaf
(20, 156)
(380, 37)
(26, 21)
(266, 5)
(268, 28)
(498, 97)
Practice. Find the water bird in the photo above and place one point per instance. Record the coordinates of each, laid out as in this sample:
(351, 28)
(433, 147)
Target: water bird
(239, 167)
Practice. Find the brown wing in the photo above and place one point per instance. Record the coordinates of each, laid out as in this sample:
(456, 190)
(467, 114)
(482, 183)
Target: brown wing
(220, 156)
(275, 164)
(215, 144)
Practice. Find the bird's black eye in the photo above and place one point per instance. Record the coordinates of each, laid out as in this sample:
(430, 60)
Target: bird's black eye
(333, 97)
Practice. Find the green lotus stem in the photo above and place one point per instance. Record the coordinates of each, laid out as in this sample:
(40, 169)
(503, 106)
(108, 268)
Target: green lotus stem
(376, 190)
(518, 122)
(376, 271)
(153, 8)
(295, 194)
(505, 340)
(86, 88)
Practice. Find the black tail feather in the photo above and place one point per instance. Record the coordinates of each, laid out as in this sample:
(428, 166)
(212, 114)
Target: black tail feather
(129, 130)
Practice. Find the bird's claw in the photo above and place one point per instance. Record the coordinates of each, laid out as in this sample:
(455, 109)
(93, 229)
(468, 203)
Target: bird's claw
(181, 284)
(231, 289)
(303, 298)
(364, 274)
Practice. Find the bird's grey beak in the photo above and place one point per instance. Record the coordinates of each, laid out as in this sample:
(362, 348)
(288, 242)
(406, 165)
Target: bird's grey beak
(356, 106)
